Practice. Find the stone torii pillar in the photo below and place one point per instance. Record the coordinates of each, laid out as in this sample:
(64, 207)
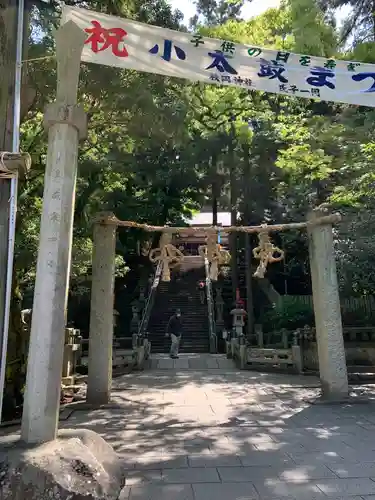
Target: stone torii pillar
(101, 312)
(66, 124)
(329, 335)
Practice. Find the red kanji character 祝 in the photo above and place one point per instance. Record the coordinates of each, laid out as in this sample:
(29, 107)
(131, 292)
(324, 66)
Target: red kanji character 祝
(101, 39)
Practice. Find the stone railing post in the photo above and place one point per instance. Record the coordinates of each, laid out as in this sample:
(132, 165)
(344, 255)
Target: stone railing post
(101, 314)
(258, 329)
(242, 352)
(297, 354)
(134, 326)
(72, 348)
(136, 319)
(284, 338)
(238, 338)
(219, 302)
(329, 335)
(66, 124)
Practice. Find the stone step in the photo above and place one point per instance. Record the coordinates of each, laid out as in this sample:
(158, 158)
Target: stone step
(361, 369)
(181, 293)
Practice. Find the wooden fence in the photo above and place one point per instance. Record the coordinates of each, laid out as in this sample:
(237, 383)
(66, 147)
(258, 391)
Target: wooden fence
(365, 304)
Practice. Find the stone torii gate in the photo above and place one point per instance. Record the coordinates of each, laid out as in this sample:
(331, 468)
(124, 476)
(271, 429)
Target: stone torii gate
(66, 123)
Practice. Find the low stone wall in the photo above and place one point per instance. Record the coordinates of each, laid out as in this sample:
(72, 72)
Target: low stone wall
(236, 350)
(299, 351)
(134, 357)
(359, 345)
(363, 354)
(247, 357)
(141, 353)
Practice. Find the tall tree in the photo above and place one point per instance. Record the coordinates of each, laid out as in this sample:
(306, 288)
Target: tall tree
(360, 22)
(216, 12)
(312, 34)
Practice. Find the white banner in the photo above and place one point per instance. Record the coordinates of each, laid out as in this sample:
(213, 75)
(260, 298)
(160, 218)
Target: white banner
(115, 41)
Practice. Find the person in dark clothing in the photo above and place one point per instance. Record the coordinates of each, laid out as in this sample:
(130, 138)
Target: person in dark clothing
(174, 329)
(202, 294)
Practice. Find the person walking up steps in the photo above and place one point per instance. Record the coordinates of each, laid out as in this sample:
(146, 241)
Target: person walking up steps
(174, 329)
(202, 292)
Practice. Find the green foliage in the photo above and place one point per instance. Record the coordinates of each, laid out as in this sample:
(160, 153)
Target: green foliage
(359, 25)
(159, 148)
(364, 52)
(356, 252)
(272, 29)
(216, 12)
(289, 316)
(296, 312)
(132, 162)
(312, 34)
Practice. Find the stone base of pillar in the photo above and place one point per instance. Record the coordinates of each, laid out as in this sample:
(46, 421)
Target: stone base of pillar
(297, 358)
(343, 400)
(228, 349)
(233, 346)
(243, 356)
(140, 355)
(42, 471)
(84, 406)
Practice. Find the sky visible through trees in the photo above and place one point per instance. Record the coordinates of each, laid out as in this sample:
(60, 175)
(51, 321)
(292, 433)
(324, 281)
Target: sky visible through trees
(252, 9)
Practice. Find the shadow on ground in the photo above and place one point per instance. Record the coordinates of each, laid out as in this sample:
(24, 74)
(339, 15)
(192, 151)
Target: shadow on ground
(228, 435)
(231, 435)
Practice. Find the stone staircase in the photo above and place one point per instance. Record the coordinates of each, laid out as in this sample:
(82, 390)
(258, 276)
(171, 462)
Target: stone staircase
(181, 293)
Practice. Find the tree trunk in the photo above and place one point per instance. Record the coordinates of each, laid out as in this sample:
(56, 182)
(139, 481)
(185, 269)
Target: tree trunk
(215, 191)
(214, 204)
(233, 221)
(249, 285)
(248, 248)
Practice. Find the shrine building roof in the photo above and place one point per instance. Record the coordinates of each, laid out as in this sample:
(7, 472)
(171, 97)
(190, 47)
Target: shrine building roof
(205, 219)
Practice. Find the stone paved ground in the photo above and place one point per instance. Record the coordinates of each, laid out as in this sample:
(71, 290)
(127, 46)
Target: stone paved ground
(201, 432)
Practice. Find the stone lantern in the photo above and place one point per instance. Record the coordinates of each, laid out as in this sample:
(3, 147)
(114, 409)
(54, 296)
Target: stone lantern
(238, 343)
(238, 315)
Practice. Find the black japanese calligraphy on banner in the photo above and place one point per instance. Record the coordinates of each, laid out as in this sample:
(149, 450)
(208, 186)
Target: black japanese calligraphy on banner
(114, 41)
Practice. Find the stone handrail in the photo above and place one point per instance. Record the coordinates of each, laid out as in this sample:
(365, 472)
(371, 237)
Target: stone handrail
(284, 338)
(150, 302)
(350, 333)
